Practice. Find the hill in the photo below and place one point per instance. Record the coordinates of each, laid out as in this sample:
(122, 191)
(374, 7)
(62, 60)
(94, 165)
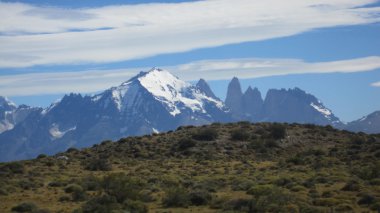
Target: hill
(234, 167)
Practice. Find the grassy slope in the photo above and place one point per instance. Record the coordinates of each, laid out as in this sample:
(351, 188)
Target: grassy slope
(304, 171)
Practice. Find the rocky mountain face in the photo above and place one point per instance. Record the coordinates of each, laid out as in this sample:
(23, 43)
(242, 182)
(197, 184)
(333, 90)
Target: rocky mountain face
(11, 115)
(291, 106)
(152, 101)
(296, 106)
(367, 124)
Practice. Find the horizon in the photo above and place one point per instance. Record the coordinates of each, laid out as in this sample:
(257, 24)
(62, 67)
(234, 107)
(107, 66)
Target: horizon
(328, 49)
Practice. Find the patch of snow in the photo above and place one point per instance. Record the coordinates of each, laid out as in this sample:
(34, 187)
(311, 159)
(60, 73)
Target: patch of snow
(324, 111)
(57, 133)
(174, 92)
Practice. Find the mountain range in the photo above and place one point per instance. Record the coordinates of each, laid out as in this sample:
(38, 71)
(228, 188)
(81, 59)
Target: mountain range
(151, 102)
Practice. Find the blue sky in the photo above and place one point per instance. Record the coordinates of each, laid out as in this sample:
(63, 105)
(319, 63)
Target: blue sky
(330, 49)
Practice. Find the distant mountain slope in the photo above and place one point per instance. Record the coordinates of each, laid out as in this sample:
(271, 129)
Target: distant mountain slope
(291, 106)
(367, 124)
(296, 106)
(152, 101)
(11, 115)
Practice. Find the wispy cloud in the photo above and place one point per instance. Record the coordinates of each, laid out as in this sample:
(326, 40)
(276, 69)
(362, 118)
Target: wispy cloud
(97, 80)
(376, 84)
(32, 35)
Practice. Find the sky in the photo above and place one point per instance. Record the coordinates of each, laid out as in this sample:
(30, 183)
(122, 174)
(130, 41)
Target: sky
(329, 48)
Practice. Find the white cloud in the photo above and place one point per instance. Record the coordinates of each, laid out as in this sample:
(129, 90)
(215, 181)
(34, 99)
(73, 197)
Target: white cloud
(33, 35)
(97, 80)
(376, 84)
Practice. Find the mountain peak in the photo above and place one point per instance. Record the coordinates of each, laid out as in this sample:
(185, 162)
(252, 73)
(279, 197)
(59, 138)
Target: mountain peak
(205, 88)
(6, 103)
(234, 95)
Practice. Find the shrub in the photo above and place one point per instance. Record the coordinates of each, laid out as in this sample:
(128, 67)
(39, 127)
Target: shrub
(375, 207)
(72, 188)
(270, 143)
(344, 208)
(239, 204)
(122, 187)
(40, 156)
(71, 149)
(135, 206)
(24, 207)
(90, 183)
(277, 131)
(351, 186)
(296, 160)
(239, 135)
(57, 184)
(13, 168)
(176, 197)
(268, 198)
(64, 198)
(79, 195)
(185, 143)
(98, 164)
(366, 199)
(104, 204)
(326, 202)
(198, 198)
(205, 134)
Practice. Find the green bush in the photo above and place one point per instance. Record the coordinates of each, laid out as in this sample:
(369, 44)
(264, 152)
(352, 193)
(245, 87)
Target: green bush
(269, 198)
(326, 202)
(366, 199)
(199, 198)
(352, 185)
(277, 131)
(98, 164)
(122, 187)
(205, 134)
(12, 168)
(101, 204)
(176, 197)
(79, 195)
(72, 188)
(239, 204)
(40, 156)
(57, 184)
(24, 207)
(185, 143)
(135, 206)
(64, 198)
(239, 135)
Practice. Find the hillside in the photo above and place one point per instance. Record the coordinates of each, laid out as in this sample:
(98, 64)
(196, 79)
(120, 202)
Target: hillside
(235, 167)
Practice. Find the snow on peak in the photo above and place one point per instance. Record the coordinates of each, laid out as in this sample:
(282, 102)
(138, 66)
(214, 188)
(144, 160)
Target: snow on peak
(173, 92)
(6, 101)
(319, 107)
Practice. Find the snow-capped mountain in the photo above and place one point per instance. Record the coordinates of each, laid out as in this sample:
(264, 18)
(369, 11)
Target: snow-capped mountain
(293, 105)
(296, 106)
(152, 101)
(10, 114)
(367, 124)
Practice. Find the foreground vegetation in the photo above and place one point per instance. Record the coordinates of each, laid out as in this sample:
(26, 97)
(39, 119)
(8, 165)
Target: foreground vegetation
(238, 167)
